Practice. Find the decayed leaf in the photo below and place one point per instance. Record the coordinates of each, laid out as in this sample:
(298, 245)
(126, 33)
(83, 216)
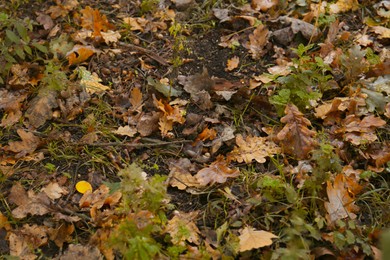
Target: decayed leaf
(11, 103)
(61, 234)
(257, 41)
(340, 204)
(383, 32)
(182, 228)
(125, 130)
(361, 131)
(263, 5)
(198, 86)
(91, 81)
(180, 174)
(24, 241)
(54, 191)
(253, 239)
(253, 148)
(81, 252)
(36, 204)
(40, 108)
(110, 36)
(232, 63)
(62, 8)
(28, 144)
(164, 87)
(296, 139)
(342, 6)
(136, 24)
(217, 171)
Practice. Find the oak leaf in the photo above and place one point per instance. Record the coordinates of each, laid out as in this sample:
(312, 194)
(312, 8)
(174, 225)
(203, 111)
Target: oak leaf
(182, 228)
(36, 204)
(296, 138)
(253, 148)
(232, 63)
(28, 144)
(217, 171)
(207, 133)
(125, 130)
(171, 114)
(54, 191)
(341, 204)
(257, 41)
(91, 81)
(360, 132)
(180, 174)
(342, 6)
(253, 239)
(91, 19)
(41, 107)
(79, 53)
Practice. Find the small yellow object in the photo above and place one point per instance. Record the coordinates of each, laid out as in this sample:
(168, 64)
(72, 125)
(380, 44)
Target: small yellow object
(83, 186)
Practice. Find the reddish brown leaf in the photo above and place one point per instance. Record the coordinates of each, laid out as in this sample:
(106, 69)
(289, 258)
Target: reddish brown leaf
(28, 144)
(218, 171)
(296, 138)
(92, 20)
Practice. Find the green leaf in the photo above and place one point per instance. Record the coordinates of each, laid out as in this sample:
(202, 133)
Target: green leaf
(22, 31)
(12, 36)
(40, 47)
(166, 90)
(19, 51)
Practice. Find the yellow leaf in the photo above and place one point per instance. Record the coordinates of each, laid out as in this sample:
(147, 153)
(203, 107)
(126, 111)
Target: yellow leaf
(83, 187)
(342, 6)
(232, 63)
(252, 239)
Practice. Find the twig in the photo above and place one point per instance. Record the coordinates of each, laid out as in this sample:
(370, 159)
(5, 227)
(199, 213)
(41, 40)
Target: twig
(151, 54)
(135, 145)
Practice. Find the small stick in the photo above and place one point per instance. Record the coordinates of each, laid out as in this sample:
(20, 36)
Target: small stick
(152, 55)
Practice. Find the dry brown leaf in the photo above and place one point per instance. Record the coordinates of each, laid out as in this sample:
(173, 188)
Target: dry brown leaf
(342, 6)
(61, 234)
(136, 100)
(11, 103)
(180, 174)
(81, 252)
(62, 9)
(23, 241)
(40, 108)
(136, 24)
(296, 139)
(341, 204)
(253, 148)
(182, 228)
(253, 239)
(54, 191)
(207, 133)
(110, 36)
(79, 54)
(360, 132)
(17, 195)
(28, 144)
(91, 19)
(125, 130)
(171, 114)
(216, 172)
(232, 63)
(263, 5)
(383, 32)
(257, 41)
(35, 204)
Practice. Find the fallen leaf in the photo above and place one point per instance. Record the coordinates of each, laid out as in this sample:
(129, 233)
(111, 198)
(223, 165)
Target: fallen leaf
(110, 36)
(342, 6)
(180, 174)
(136, 24)
(296, 138)
(232, 63)
(79, 54)
(263, 5)
(23, 241)
(383, 32)
(253, 239)
(125, 130)
(41, 107)
(61, 234)
(91, 19)
(182, 228)
(80, 252)
(91, 81)
(28, 144)
(36, 204)
(164, 87)
(207, 133)
(136, 100)
(62, 8)
(216, 172)
(54, 191)
(253, 148)
(257, 41)
(83, 187)
(340, 204)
